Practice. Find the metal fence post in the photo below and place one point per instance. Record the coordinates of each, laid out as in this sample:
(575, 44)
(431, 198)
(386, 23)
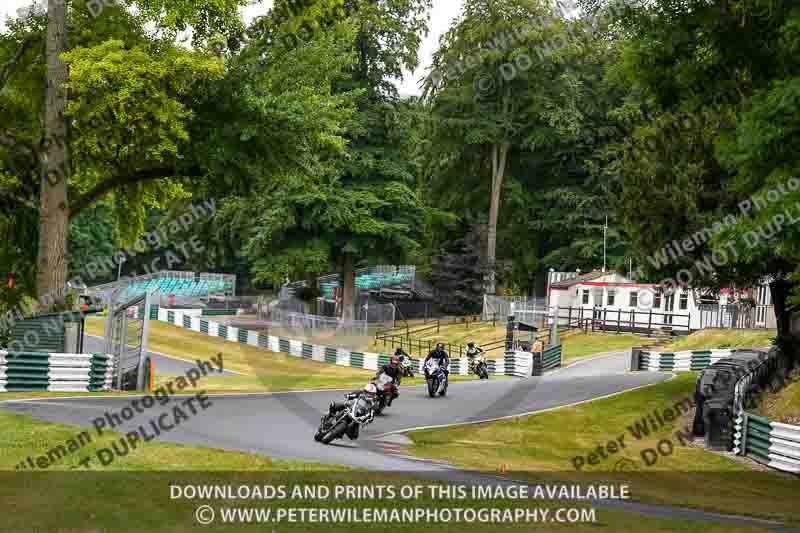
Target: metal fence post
(743, 443)
(123, 337)
(143, 344)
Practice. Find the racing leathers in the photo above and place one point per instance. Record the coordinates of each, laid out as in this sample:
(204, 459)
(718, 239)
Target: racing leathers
(394, 372)
(441, 357)
(337, 407)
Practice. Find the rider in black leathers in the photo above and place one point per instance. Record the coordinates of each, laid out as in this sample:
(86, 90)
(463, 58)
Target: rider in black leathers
(441, 357)
(335, 407)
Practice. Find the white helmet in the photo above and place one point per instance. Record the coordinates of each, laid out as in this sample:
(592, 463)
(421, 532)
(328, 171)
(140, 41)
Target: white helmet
(371, 388)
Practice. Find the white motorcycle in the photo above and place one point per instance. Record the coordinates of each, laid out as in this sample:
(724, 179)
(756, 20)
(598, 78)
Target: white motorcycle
(437, 379)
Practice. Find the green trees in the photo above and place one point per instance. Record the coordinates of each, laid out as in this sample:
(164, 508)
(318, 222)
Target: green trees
(131, 154)
(720, 86)
(353, 198)
(663, 117)
(500, 87)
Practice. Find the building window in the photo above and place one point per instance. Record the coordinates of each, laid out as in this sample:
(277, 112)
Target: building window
(634, 299)
(683, 303)
(611, 295)
(585, 296)
(657, 300)
(669, 303)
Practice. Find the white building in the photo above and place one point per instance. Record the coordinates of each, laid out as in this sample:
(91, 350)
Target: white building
(622, 304)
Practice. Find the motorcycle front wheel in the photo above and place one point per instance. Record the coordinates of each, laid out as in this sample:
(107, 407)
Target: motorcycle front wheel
(337, 431)
(432, 388)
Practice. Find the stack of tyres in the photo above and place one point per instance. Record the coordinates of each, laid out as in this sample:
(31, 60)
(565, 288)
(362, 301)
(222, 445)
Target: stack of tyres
(714, 397)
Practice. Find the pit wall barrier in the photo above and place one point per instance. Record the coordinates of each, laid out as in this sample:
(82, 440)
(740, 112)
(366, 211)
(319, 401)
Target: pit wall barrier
(58, 372)
(514, 363)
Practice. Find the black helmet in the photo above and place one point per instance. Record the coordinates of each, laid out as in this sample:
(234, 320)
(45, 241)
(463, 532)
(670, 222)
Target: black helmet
(471, 344)
(440, 346)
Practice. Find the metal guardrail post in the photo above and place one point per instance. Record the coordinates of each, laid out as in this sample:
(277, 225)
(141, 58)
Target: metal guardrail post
(743, 443)
(140, 381)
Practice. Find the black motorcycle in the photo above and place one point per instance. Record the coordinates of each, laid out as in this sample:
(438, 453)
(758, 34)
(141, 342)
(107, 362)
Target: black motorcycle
(357, 412)
(437, 379)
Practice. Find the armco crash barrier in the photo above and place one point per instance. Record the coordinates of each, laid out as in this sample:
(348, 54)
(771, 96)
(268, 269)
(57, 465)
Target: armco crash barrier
(32, 371)
(771, 443)
(677, 361)
(515, 363)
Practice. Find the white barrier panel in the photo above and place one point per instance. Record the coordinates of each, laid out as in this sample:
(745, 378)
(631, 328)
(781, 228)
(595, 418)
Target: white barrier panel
(318, 353)
(296, 348)
(342, 357)
(252, 338)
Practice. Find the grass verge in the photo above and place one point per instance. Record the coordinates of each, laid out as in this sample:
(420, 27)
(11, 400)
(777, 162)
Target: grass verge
(547, 445)
(784, 405)
(134, 492)
(577, 345)
(722, 338)
(22, 436)
(265, 370)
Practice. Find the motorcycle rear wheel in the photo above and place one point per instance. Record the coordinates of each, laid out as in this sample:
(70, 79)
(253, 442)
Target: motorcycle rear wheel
(337, 432)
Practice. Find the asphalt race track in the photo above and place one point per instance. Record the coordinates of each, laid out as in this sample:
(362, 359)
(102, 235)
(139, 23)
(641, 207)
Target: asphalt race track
(281, 425)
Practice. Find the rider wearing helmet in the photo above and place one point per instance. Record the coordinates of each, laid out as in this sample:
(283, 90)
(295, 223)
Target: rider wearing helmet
(440, 356)
(369, 393)
(394, 371)
(472, 350)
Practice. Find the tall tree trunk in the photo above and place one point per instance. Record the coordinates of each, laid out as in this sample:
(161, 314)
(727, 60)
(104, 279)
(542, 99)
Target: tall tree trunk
(779, 290)
(348, 287)
(499, 155)
(51, 263)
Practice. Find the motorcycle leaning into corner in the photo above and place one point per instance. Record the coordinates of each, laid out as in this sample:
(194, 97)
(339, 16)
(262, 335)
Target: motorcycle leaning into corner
(348, 417)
